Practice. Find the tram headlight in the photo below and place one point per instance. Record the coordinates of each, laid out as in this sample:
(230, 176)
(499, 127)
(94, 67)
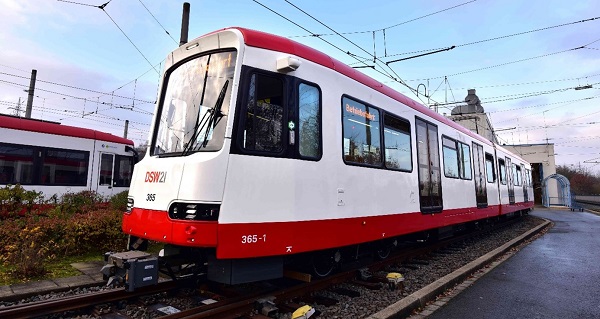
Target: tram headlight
(194, 211)
(129, 204)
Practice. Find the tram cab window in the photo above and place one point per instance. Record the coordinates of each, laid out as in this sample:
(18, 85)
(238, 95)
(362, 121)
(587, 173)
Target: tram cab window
(361, 125)
(264, 115)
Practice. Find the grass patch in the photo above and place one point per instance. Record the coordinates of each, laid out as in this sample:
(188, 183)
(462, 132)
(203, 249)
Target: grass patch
(56, 269)
(61, 268)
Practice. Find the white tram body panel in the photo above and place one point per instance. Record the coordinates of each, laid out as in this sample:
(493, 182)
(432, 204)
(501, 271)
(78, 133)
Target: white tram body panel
(257, 204)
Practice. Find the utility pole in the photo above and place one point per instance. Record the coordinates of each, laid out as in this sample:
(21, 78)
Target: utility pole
(30, 97)
(126, 128)
(185, 22)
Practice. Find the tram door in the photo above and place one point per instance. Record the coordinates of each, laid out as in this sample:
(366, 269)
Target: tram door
(510, 176)
(428, 157)
(525, 183)
(106, 174)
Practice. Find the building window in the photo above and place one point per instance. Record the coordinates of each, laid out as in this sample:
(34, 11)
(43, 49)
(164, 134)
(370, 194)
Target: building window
(362, 142)
(396, 138)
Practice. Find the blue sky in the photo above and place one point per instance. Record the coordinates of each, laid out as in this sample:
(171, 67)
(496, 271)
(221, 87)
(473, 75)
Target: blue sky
(526, 82)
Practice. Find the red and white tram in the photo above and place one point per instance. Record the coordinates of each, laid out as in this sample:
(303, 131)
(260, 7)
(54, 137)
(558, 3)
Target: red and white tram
(56, 159)
(263, 148)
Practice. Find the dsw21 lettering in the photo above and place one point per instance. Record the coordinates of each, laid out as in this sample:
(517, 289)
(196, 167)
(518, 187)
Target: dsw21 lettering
(155, 177)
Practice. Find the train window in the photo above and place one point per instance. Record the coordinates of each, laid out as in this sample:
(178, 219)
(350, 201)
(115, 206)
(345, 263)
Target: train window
(489, 168)
(264, 115)
(396, 138)
(16, 164)
(309, 121)
(478, 167)
(502, 168)
(192, 113)
(65, 167)
(123, 169)
(106, 169)
(464, 160)
(450, 151)
(528, 177)
(518, 176)
(362, 144)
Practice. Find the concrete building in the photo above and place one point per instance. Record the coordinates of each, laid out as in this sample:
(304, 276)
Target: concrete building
(541, 156)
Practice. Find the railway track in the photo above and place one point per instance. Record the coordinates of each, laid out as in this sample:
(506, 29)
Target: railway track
(280, 296)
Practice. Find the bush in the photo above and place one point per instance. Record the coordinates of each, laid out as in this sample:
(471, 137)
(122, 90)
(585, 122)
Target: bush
(15, 201)
(84, 201)
(119, 201)
(65, 230)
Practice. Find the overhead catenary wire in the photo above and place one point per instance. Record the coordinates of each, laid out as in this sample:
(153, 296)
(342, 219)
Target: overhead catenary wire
(498, 65)
(155, 19)
(389, 27)
(504, 37)
(80, 88)
(102, 7)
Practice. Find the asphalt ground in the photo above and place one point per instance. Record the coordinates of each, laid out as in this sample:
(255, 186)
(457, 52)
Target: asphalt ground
(556, 276)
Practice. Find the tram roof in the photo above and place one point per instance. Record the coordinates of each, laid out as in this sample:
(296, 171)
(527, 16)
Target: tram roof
(54, 128)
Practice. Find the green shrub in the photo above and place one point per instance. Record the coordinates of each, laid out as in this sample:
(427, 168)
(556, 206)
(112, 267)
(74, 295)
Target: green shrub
(119, 201)
(15, 201)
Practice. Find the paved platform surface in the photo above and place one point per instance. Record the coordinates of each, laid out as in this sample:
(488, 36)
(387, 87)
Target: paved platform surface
(556, 276)
(90, 276)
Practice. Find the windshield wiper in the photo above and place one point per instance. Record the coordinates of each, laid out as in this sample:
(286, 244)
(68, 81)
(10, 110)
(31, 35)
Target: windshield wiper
(208, 120)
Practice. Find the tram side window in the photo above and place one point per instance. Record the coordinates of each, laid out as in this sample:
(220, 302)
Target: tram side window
(489, 168)
(464, 160)
(518, 176)
(362, 143)
(528, 177)
(396, 138)
(16, 164)
(264, 115)
(450, 151)
(502, 167)
(309, 117)
(65, 167)
(123, 169)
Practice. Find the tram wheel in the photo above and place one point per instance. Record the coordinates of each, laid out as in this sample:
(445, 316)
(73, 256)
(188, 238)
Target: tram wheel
(324, 263)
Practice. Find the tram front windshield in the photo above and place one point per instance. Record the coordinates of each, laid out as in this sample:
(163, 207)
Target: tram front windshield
(193, 112)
